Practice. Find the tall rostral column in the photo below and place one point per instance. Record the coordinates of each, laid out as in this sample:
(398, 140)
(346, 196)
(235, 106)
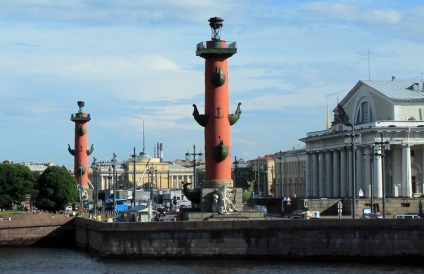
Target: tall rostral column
(81, 152)
(217, 119)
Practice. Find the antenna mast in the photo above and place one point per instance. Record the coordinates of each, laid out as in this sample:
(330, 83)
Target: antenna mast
(369, 65)
(143, 137)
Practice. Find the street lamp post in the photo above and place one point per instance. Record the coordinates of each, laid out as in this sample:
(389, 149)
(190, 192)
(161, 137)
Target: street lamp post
(80, 169)
(272, 180)
(353, 139)
(134, 158)
(156, 183)
(113, 161)
(383, 147)
(194, 154)
(151, 181)
(371, 154)
(236, 163)
(153, 173)
(95, 169)
(259, 177)
(280, 162)
(372, 178)
(255, 168)
(265, 170)
(110, 179)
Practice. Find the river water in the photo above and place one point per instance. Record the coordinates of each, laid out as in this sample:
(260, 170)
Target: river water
(63, 261)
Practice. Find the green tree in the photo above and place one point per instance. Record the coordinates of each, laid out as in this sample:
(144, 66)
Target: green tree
(56, 189)
(124, 184)
(16, 182)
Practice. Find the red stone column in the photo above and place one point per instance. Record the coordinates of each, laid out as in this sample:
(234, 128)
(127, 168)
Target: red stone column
(81, 152)
(216, 119)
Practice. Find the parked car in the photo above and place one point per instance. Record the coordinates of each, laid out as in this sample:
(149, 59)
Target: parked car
(161, 212)
(261, 208)
(69, 208)
(372, 216)
(406, 216)
(298, 212)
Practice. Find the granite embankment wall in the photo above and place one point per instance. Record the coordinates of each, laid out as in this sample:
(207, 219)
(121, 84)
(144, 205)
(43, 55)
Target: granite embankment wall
(385, 240)
(44, 230)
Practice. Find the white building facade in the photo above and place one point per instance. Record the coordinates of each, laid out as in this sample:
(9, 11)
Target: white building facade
(374, 147)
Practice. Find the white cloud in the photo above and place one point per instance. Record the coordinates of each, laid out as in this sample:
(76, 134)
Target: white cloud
(382, 16)
(110, 12)
(343, 12)
(135, 60)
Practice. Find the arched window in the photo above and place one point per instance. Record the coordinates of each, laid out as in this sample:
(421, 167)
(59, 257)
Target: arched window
(364, 114)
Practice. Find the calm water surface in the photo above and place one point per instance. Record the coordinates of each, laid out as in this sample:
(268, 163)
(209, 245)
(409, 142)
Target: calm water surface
(35, 260)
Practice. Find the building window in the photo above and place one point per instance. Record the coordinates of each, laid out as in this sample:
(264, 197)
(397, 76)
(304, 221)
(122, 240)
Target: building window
(414, 184)
(364, 114)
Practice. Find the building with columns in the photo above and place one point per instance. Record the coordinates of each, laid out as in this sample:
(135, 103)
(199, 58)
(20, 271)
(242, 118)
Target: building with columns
(264, 170)
(149, 172)
(289, 173)
(374, 146)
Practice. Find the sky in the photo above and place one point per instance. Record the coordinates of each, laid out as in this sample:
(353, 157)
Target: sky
(134, 63)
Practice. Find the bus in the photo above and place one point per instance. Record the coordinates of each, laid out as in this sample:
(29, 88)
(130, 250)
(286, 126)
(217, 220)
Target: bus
(121, 205)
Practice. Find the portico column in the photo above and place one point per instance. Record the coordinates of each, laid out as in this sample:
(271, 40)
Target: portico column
(108, 182)
(307, 180)
(321, 171)
(343, 174)
(420, 181)
(315, 174)
(378, 175)
(328, 174)
(336, 174)
(406, 172)
(360, 184)
(350, 177)
(367, 156)
(103, 182)
(396, 157)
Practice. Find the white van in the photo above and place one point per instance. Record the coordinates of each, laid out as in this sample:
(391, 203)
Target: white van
(184, 203)
(406, 216)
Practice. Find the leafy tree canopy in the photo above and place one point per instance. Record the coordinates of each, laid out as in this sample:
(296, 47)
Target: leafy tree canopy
(16, 182)
(56, 189)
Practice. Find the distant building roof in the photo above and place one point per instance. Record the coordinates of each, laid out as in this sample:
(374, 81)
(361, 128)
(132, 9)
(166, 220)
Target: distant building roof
(37, 167)
(398, 90)
(144, 155)
(174, 166)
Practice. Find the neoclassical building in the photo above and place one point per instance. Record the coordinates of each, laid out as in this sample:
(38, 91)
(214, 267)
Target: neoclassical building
(374, 145)
(290, 169)
(148, 172)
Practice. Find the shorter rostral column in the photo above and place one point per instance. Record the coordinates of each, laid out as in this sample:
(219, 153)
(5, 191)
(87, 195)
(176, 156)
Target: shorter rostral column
(81, 152)
(217, 120)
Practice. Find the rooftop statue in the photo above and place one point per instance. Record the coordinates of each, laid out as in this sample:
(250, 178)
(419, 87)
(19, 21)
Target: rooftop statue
(340, 116)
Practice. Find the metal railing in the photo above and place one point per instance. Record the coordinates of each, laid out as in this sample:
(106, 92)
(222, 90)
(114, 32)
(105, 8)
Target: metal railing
(203, 45)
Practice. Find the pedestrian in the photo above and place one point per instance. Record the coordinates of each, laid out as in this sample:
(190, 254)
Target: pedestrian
(10, 219)
(1, 218)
